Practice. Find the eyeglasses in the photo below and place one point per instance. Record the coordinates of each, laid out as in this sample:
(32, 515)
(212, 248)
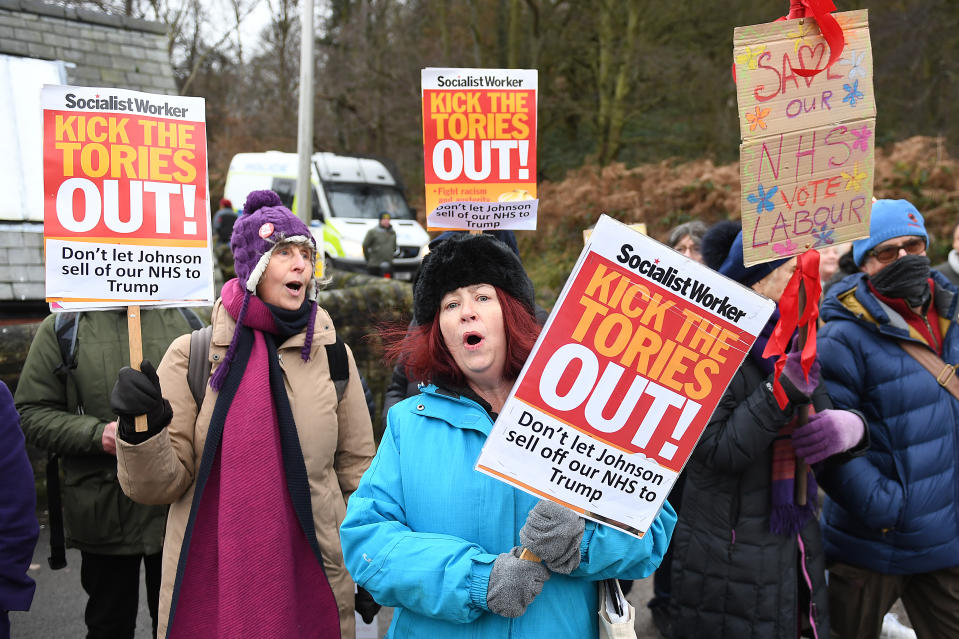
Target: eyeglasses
(888, 253)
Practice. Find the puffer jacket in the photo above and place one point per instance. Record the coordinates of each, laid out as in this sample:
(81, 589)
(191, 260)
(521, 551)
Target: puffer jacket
(733, 578)
(336, 440)
(424, 528)
(895, 510)
(97, 516)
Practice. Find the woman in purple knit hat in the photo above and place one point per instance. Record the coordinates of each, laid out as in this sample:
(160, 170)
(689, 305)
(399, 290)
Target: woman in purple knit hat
(258, 475)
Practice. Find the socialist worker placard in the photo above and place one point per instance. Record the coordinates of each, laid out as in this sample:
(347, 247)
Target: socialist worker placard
(622, 381)
(479, 148)
(126, 205)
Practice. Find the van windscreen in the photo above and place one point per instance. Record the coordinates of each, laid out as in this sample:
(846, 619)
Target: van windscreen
(366, 201)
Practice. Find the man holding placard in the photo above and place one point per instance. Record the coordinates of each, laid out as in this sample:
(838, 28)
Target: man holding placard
(126, 224)
(65, 409)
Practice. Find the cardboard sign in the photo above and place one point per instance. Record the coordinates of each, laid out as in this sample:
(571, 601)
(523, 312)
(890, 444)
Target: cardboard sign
(479, 148)
(622, 381)
(126, 209)
(807, 154)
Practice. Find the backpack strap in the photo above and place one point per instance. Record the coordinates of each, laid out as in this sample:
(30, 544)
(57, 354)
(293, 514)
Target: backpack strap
(65, 329)
(198, 370)
(191, 317)
(339, 366)
(58, 550)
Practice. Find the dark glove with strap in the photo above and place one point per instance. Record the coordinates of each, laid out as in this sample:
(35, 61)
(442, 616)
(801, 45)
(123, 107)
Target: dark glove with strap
(137, 392)
(514, 583)
(798, 387)
(554, 534)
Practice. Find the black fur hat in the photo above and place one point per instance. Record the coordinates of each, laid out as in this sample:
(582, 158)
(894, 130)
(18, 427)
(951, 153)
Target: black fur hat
(463, 260)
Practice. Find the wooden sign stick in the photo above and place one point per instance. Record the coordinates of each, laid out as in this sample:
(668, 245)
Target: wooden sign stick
(136, 354)
(803, 416)
(529, 555)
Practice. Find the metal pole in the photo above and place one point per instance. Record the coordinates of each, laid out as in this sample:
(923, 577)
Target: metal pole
(304, 135)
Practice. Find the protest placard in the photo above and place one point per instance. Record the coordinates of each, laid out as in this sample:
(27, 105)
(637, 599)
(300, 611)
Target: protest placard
(126, 209)
(479, 148)
(622, 381)
(807, 154)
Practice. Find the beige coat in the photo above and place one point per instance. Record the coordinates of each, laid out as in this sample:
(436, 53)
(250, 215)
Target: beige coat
(336, 440)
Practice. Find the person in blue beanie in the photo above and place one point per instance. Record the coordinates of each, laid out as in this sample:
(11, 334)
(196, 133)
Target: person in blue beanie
(891, 517)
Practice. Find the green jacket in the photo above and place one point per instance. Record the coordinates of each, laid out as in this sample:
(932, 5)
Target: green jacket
(97, 516)
(379, 245)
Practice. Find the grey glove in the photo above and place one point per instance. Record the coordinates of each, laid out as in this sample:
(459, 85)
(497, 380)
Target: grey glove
(554, 534)
(514, 583)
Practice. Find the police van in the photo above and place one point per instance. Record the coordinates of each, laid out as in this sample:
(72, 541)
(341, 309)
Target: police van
(348, 195)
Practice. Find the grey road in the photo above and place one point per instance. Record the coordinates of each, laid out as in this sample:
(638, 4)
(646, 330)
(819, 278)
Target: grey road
(57, 609)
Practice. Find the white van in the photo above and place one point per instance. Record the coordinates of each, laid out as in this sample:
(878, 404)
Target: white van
(349, 193)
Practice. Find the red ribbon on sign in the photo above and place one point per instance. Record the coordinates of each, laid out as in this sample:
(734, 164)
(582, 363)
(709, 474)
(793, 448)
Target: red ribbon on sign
(807, 273)
(828, 26)
(831, 31)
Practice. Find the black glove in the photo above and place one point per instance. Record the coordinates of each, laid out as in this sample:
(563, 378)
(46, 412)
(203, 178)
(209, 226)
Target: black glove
(137, 392)
(364, 604)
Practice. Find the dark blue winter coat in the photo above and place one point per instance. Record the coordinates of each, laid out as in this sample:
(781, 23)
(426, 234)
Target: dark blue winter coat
(894, 510)
(18, 518)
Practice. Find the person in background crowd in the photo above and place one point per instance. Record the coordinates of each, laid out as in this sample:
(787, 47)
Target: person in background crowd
(891, 517)
(66, 410)
(829, 258)
(18, 518)
(379, 247)
(258, 475)
(687, 239)
(223, 221)
(950, 268)
(845, 266)
(747, 553)
(437, 540)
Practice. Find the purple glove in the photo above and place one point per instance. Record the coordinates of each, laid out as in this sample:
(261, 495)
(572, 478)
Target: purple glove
(798, 388)
(827, 433)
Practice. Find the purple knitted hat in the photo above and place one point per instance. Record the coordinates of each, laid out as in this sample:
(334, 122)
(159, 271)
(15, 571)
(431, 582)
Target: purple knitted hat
(264, 224)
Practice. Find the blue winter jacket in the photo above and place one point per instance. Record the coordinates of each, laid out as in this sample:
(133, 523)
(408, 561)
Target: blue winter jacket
(894, 510)
(423, 529)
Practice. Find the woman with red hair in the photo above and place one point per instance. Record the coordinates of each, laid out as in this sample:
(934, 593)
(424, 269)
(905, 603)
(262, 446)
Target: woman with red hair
(440, 542)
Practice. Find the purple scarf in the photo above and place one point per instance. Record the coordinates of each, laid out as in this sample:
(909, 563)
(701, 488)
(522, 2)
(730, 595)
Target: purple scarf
(250, 564)
(787, 517)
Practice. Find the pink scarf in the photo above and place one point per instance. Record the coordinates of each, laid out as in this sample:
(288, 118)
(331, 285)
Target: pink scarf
(248, 567)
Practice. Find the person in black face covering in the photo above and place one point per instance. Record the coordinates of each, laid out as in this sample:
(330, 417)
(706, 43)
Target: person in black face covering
(891, 517)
